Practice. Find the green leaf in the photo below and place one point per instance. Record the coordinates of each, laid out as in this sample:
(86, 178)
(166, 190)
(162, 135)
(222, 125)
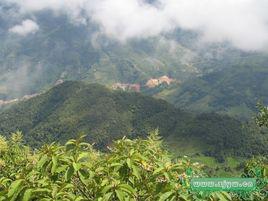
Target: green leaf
(135, 171)
(76, 166)
(79, 199)
(127, 188)
(129, 163)
(27, 195)
(70, 145)
(82, 157)
(104, 182)
(41, 190)
(167, 176)
(221, 196)
(107, 196)
(226, 195)
(83, 176)
(15, 187)
(54, 164)
(106, 189)
(120, 195)
(116, 165)
(131, 152)
(158, 170)
(42, 162)
(2, 198)
(69, 173)
(184, 197)
(165, 196)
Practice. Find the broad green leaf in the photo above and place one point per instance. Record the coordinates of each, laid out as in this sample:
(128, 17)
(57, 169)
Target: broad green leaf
(226, 195)
(220, 196)
(79, 199)
(15, 187)
(129, 163)
(42, 161)
(165, 196)
(116, 165)
(127, 188)
(120, 195)
(69, 173)
(106, 189)
(82, 156)
(158, 170)
(76, 166)
(82, 175)
(135, 171)
(54, 164)
(107, 196)
(27, 195)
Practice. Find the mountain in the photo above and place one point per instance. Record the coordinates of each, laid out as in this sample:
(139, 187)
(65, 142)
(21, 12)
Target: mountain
(105, 115)
(210, 76)
(234, 91)
(64, 50)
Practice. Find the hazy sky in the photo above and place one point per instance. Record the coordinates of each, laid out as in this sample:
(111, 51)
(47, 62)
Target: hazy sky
(244, 23)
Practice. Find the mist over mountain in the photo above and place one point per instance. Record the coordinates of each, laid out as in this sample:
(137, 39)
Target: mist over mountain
(216, 21)
(41, 46)
(61, 50)
(128, 42)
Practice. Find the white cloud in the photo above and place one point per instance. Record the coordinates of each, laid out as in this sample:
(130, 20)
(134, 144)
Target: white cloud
(25, 28)
(244, 23)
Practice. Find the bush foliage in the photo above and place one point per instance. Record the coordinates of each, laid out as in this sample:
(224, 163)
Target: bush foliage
(262, 118)
(139, 169)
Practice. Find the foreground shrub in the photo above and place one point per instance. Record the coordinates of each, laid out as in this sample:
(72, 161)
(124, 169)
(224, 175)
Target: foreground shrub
(138, 169)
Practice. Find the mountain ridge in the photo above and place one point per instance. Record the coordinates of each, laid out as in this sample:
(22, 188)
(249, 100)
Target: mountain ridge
(105, 115)
(234, 91)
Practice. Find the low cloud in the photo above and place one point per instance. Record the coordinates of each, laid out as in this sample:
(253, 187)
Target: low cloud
(25, 28)
(244, 23)
(241, 22)
(20, 81)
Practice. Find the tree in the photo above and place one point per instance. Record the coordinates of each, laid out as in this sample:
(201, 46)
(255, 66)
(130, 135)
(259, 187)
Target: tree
(262, 118)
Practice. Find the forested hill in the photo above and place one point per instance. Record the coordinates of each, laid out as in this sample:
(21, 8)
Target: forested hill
(233, 91)
(104, 115)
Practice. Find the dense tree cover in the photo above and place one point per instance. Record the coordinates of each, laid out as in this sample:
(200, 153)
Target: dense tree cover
(233, 90)
(139, 169)
(262, 118)
(75, 107)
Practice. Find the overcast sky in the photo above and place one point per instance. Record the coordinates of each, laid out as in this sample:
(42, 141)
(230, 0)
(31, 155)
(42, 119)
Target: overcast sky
(244, 23)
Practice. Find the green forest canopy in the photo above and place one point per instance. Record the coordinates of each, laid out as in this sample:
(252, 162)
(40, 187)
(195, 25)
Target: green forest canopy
(104, 115)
